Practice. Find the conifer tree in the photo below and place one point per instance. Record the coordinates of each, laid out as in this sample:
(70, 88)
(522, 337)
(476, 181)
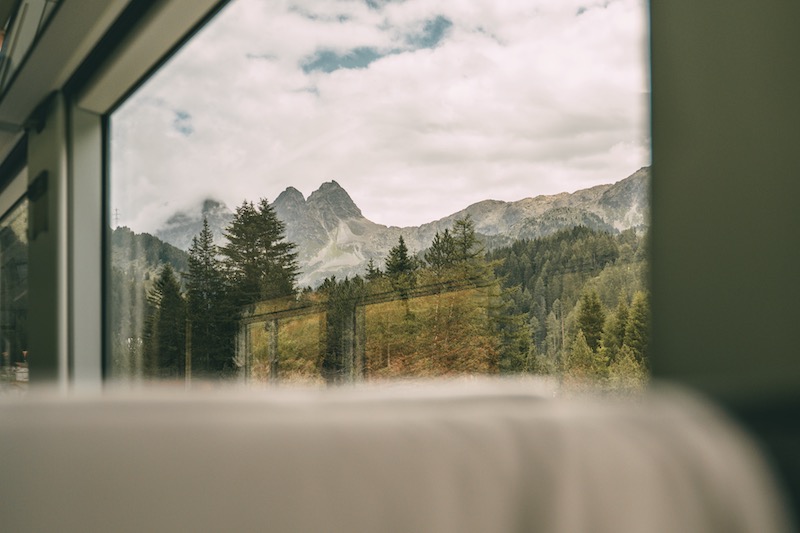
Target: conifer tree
(210, 310)
(467, 245)
(516, 349)
(554, 340)
(591, 319)
(260, 262)
(539, 312)
(582, 363)
(165, 331)
(614, 331)
(399, 261)
(626, 374)
(373, 272)
(442, 253)
(400, 267)
(637, 330)
(342, 297)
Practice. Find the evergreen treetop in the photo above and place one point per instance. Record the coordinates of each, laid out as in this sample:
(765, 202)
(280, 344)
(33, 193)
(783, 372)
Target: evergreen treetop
(467, 245)
(637, 330)
(442, 252)
(614, 330)
(258, 259)
(211, 310)
(165, 330)
(400, 268)
(591, 319)
(398, 260)
(373, 272)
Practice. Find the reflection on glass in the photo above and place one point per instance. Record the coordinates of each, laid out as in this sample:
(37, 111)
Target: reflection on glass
(14, 299)
(475, 197)
(19, 29)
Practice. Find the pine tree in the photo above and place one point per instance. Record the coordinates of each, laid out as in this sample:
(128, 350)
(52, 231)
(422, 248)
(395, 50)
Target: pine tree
(614, 331)
(515, 346)
(341, 300)
(399, 261)
(555, 341)
(210, 310)
(400, 267)
(626, 375)
(583, 365)
(442, 252)
(539, 312)
(637, 330)
(467, 245)
(591, 319)
(260, 262)
(165, 331)
(373, 272)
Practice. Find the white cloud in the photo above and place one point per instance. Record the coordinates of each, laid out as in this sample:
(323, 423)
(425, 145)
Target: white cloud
(519, 98)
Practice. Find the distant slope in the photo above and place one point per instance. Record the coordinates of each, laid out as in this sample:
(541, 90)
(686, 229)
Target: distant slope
(616, 206)
(141, 253)
(136, 259)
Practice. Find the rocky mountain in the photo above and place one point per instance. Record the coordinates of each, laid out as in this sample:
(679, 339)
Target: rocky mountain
(612, 207)
(138, 254)
(334, 237)
(184, 225)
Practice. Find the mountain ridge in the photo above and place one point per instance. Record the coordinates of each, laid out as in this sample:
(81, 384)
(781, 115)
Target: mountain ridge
(335, 239)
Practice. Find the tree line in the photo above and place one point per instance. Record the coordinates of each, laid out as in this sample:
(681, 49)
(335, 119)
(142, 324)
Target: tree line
(579, 306)
(572, 304)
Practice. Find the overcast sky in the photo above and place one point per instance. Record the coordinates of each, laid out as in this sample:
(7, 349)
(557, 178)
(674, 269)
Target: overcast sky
(418, 108)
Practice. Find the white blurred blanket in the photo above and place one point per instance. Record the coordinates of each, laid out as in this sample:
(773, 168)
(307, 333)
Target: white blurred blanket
(490, 457)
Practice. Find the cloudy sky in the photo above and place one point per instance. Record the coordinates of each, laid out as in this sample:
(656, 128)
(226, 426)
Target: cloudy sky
(417, 108)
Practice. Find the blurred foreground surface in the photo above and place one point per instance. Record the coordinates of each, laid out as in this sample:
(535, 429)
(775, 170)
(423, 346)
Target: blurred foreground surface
(484, 455)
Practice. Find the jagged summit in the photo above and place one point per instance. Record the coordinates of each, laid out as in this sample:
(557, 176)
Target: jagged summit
(333, 198)
(290, 195)
(328, 186)
(330, 200)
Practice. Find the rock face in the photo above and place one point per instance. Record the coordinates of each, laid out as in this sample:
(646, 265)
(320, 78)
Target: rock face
(334, 238)
(612, 207)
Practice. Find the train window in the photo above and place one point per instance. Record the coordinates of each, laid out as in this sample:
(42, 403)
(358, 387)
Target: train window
(331, 192)
(14, 290)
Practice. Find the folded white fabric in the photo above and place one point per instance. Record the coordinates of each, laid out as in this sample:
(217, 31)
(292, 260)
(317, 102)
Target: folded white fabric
(486, 457)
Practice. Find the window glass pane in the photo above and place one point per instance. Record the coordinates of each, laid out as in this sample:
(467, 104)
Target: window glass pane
(20, 25)
(328, 192)
(14, 299)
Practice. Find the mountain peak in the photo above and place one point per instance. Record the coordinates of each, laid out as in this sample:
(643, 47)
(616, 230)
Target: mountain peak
(290, 195)
(332, 197)
(330, 186)
(210, 205)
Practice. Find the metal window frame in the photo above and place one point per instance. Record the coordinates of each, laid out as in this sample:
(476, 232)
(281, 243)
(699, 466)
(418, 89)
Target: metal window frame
(88, 59)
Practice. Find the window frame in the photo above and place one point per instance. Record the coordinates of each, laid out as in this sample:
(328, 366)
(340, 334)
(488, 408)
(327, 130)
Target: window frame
(84, 63)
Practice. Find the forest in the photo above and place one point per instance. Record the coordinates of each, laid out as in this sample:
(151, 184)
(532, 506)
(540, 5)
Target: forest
(571, 305)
